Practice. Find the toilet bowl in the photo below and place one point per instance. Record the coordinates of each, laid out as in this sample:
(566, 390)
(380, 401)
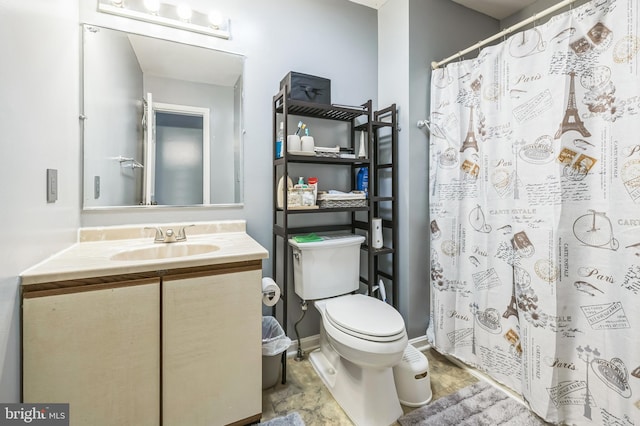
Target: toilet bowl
(356, 363)
(364, 330)
(361, 338)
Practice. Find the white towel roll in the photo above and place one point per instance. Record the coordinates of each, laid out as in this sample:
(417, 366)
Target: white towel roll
(270, 292)
(376, 224)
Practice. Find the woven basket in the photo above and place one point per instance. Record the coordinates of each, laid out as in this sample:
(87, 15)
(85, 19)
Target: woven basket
(301, 198)
(327, 154)
(334, 204)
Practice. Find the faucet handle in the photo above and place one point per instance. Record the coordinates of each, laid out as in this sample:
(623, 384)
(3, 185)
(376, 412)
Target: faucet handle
(182, 236)
(159, 237)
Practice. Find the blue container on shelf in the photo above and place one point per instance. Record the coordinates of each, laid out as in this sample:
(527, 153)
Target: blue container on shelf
(362, 181)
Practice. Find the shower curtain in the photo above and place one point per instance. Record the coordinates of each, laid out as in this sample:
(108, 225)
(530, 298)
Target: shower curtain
(535, 214)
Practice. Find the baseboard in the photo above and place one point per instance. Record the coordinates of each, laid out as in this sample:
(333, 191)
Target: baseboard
(420, 343)
(311, 343)
(308, 344)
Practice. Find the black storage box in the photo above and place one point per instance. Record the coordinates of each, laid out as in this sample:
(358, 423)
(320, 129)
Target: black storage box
(309, 88)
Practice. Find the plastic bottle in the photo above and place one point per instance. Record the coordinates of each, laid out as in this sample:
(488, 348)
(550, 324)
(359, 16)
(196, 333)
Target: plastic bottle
(280, 140)
(362, 181)
(313, 182)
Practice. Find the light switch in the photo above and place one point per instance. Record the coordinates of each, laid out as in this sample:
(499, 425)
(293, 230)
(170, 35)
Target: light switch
(52, 185)
(96, 187)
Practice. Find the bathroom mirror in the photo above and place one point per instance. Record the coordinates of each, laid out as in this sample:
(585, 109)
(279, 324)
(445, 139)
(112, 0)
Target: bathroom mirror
(161, 122)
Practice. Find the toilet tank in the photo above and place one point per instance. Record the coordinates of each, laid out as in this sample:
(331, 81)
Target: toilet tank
(326, 268)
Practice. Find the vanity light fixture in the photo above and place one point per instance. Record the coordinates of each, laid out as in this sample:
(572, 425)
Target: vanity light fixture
(179, 16)
(184, 12)
(152, 6)
(215, 19)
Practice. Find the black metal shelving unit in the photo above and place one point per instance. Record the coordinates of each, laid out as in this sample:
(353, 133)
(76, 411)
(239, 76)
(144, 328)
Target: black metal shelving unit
(384, 199)
(382, 131)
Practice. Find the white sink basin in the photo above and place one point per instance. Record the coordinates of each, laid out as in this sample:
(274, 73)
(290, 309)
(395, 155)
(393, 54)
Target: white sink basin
(165, 251)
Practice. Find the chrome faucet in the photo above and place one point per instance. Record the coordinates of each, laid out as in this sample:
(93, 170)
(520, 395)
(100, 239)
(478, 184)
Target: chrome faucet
(182, 235)
(169, 236)
(159, 237)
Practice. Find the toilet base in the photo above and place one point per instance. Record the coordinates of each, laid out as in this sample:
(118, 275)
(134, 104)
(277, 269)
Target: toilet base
(368, 396)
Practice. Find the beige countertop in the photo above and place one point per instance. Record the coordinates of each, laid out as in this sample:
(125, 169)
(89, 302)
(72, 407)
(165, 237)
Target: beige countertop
(91, 256)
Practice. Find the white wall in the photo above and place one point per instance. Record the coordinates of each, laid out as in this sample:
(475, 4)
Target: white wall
(412, 34)
(119, 75)
(39, 45)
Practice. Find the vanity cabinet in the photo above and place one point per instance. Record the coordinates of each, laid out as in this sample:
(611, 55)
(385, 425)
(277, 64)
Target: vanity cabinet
(96, 348)
(212, 356)
(172, 347)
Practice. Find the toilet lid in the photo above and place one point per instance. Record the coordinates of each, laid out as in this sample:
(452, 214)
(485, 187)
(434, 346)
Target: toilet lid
(365, 317)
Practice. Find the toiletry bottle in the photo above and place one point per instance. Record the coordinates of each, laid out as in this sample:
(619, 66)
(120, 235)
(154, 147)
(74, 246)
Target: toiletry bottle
(363, 150)
(280, 140)
(365, 182)
(313, 182)
(362, 181)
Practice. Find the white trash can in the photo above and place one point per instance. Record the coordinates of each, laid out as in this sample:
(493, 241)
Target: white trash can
(274, 343)
(411, 375)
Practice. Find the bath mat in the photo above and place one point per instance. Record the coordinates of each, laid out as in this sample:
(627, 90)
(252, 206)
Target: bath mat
(478, 404)
(291, 419)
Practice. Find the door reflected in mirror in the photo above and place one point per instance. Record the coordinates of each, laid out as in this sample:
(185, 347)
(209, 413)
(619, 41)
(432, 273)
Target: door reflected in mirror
(162, 122)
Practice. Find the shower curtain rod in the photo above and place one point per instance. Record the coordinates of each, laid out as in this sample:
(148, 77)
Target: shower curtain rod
(435, 65)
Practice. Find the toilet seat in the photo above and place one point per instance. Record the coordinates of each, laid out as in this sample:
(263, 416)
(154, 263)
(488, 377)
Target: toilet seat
(365, 317)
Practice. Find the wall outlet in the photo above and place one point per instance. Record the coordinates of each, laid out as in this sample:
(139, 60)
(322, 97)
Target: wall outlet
(52, 185)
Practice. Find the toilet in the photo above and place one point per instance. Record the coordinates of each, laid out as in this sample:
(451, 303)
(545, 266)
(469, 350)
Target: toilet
(361, 337)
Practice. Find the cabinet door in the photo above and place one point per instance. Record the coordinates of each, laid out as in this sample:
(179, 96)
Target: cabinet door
(212, 356)
(97, 350)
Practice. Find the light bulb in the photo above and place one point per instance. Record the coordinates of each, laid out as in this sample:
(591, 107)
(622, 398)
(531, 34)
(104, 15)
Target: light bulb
(152, 6)
(184, 11)
(215, 19)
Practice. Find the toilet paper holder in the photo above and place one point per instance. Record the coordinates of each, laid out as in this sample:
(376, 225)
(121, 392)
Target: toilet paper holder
(270, 292)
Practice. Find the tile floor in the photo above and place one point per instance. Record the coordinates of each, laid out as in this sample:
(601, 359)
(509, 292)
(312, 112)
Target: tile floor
(305, 393)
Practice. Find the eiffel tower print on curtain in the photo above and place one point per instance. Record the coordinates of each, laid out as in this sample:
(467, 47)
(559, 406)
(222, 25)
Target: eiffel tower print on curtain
(571, 120)
(470, 141)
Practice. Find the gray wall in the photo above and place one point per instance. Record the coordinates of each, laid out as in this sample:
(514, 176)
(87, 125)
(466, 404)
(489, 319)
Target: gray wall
(412, 34)
(39, 45)
(220, 101)
(531, 10)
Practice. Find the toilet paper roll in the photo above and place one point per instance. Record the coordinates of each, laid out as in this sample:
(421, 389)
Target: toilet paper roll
(270, 292)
